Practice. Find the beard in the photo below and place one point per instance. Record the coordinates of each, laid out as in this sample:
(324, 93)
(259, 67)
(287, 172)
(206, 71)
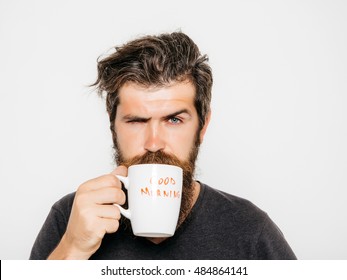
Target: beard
(160, 157)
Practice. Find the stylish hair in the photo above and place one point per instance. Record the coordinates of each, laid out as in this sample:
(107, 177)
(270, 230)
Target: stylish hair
(155, 61)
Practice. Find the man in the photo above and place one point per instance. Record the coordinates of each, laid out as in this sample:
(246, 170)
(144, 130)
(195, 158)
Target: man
(158, 93)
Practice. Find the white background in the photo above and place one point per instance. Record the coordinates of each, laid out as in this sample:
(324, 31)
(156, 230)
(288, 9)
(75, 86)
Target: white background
(278, 133)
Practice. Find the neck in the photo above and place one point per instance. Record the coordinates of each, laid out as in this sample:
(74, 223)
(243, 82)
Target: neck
(157, 240)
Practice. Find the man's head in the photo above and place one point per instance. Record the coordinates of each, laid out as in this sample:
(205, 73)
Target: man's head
(158, 93)
(154, 62)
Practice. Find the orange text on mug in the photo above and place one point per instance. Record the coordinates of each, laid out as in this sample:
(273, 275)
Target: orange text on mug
(161, 187)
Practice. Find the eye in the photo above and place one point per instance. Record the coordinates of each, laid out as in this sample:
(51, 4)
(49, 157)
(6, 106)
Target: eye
(174, 120)
(136, 120)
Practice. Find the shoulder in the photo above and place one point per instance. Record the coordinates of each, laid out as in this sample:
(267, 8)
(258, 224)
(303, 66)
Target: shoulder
(228, 203)
(231, 213)
(64, 205)
(53, 228)
(241, 220)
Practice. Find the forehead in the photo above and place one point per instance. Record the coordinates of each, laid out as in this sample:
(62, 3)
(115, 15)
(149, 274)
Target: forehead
(177, 95)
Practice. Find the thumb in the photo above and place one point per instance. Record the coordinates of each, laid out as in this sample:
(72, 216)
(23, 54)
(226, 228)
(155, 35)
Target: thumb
(120, 170)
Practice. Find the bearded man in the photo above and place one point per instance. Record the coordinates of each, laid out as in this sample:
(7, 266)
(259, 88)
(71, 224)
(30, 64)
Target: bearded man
(158, 95)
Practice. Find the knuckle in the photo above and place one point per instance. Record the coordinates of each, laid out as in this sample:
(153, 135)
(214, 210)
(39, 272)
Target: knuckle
(120, 196)
(80, 198)
(123, 198)
(117, 214)
(112, 226)
(112, 179)
(82, 188)
(115, 225)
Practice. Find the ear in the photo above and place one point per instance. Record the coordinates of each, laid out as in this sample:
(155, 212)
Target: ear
(204, 128)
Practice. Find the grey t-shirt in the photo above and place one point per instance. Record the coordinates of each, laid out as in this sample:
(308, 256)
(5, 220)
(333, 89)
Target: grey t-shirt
(220, 226)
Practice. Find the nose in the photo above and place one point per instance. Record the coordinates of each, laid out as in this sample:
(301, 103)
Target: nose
(154, 138)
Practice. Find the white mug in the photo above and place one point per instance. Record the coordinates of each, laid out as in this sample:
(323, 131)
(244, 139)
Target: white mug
(154, 199)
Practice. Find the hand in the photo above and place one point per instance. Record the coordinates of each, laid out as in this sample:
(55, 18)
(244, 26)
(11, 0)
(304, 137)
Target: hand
(92, 216)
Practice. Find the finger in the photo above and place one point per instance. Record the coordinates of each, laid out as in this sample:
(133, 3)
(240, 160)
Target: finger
(104, 225)
(110, 225)
(107, 212)
(108, 195)
(104, 181)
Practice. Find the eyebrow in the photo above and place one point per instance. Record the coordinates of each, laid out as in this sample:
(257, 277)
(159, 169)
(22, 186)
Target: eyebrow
(183, 111)
(141, 119)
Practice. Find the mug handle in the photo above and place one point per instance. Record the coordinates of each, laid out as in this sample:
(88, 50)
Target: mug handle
(125, 212)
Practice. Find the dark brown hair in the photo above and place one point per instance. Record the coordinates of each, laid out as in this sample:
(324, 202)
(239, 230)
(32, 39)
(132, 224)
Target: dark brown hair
(155, 61)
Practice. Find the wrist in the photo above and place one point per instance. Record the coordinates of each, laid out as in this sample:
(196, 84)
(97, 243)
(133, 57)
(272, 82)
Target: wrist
(67, 251)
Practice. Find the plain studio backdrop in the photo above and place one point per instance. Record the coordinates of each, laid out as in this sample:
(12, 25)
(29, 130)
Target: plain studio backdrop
(278, 132)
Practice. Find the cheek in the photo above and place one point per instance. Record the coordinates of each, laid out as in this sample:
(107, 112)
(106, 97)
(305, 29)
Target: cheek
(181, 144)
(129, 143)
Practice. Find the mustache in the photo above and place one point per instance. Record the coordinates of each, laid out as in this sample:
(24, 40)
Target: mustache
(158, 157)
